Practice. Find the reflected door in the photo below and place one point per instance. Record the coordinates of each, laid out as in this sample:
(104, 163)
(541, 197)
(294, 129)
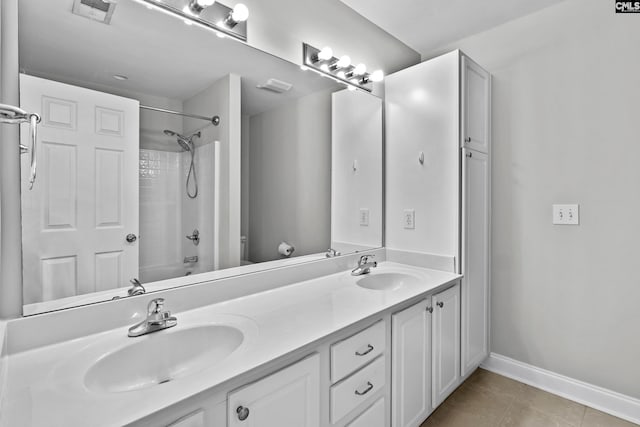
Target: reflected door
(84, 204)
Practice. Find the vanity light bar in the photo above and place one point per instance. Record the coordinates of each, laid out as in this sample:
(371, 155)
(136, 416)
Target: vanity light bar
(223, 20)
(340, 69)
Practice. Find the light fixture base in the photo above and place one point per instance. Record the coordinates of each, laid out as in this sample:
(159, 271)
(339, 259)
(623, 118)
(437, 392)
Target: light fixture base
(214, 16)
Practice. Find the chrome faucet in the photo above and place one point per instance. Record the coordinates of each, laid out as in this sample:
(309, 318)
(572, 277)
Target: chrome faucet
(332, 253)
(136, 289)
(157, 319)
(364, 265)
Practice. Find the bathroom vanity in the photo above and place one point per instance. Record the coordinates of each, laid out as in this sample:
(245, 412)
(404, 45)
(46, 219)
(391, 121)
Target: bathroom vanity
(337, 350)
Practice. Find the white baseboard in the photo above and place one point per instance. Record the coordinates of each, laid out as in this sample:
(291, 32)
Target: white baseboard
(611, 402)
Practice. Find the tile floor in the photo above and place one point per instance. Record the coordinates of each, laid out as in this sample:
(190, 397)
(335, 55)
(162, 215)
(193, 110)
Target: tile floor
(490, 400)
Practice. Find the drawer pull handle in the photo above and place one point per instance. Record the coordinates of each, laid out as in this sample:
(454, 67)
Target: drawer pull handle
(367, 351)
(367, 390)
(243, 413)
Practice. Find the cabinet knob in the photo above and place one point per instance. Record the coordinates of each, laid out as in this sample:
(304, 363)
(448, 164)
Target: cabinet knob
(243, 413)
(467, 139)
(440, 304)
(469, 154)
(430, 309)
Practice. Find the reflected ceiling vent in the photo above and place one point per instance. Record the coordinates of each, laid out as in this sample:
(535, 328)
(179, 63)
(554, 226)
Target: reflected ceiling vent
(97, 10)
(275, 85)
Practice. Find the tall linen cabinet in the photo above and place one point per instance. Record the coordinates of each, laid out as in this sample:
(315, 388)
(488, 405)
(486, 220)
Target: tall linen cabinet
(438, 182)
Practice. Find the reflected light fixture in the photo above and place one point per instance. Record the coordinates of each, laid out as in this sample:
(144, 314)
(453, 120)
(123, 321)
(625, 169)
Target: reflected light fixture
(340, 69)
(197, 6)
(210, 14)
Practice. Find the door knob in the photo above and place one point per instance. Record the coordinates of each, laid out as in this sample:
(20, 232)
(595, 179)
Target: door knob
(131, 238)
(243, 413)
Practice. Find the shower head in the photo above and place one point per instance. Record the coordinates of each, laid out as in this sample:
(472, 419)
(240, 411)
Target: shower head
(183, 141)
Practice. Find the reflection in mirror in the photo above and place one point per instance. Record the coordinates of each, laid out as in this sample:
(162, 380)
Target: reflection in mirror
(137, 180)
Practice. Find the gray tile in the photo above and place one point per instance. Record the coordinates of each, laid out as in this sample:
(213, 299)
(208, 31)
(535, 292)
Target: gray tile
(558, 407)
(594, 418)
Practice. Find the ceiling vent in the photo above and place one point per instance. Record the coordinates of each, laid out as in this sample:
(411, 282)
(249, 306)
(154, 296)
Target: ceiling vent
(275, 85)
(97, 10)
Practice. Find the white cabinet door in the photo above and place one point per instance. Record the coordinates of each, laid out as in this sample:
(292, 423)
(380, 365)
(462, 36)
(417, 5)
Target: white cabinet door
(475, 260)
(475, 106)
(288, 398)
(446, 343)
(411, 365)
(85, 200)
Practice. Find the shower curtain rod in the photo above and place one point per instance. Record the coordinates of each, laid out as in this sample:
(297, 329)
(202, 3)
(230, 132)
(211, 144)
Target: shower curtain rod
(215, 120)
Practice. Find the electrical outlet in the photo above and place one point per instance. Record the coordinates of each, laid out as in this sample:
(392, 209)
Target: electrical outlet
(409, 219)
(566, 214)
(364, 217)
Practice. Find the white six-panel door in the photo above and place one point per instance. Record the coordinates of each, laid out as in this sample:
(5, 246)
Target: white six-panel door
(85, 199)
(411, 366)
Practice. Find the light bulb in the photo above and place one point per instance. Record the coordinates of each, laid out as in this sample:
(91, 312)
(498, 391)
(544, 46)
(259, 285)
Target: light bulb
(240, 12)
(325, 54)
(341, 75)
(359, 70)
(377, 76)
(197, 6)
(344, 62)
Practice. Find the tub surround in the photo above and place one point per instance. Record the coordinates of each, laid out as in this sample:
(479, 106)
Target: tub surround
(45, 384)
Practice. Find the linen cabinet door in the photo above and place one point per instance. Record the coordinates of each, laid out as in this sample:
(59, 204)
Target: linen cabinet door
(411, 365)
(475, 260)
(287, 398)
(476, 86)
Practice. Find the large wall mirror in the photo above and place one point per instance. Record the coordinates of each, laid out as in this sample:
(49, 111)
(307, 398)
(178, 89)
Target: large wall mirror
(137, 181)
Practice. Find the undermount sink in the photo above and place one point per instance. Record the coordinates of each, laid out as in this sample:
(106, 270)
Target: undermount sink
(386, 281)
(161, 357)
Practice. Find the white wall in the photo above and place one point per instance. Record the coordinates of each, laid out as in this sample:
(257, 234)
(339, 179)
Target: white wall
(565, 114)
(356, 136)
(222, 98)
(422, 116)
(290, 179)
(280, 26)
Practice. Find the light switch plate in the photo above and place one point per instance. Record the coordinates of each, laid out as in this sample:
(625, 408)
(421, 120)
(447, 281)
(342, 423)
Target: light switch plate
(409, 219)
(566, 214)
(364, 217)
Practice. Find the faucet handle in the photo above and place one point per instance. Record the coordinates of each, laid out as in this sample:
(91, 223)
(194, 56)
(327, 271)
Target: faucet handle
(365, 259)
(155, 306)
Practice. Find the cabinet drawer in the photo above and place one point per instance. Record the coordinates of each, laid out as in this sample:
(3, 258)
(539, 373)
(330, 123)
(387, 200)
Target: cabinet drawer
(372, 417)
(354, 352)
(347, 395)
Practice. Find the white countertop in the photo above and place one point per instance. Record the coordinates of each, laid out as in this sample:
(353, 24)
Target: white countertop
(45, 386)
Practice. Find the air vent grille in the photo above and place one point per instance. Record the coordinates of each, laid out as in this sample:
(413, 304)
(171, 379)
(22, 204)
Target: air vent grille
(275, 85)
(97, 10)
